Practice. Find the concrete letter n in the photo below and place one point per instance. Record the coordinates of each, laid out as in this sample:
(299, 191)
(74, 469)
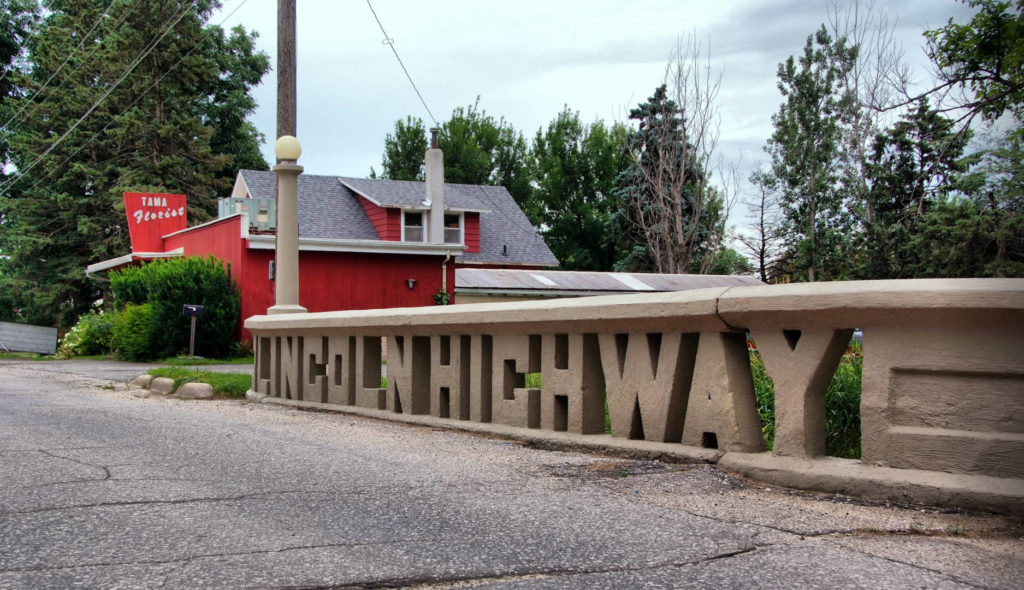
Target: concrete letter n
(409, 374)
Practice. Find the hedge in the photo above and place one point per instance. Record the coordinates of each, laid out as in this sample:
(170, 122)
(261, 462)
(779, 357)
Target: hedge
(170, 284)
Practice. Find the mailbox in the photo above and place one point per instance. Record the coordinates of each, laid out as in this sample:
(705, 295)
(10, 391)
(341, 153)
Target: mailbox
(193, 310)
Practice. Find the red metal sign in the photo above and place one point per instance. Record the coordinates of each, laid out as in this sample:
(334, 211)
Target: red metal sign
(151, 216)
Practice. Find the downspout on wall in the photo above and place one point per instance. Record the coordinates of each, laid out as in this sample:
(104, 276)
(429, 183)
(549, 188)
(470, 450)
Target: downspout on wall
(444, 270)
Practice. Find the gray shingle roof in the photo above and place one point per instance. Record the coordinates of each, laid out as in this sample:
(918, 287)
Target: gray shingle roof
(506, 229)
(330, 210)
(327, 210)
(406, 193)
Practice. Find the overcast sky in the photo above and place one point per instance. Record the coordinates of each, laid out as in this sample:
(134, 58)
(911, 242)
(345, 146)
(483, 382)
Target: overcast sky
(527, 59)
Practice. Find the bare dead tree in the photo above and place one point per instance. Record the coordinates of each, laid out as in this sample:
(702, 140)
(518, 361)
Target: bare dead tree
(674, 209)
(763, 240)
(877, 78)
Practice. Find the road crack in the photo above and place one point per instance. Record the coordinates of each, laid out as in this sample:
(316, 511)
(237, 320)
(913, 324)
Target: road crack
(200, 500)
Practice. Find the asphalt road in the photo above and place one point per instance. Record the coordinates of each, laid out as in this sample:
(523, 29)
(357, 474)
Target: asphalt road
(103, 489)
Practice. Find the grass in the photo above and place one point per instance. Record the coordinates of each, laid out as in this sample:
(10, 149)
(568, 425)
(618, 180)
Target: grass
(27, 356)
(185, 361)
(842, 405)
(226, 384)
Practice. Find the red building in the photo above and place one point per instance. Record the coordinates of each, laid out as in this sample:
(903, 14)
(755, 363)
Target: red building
(363, 244)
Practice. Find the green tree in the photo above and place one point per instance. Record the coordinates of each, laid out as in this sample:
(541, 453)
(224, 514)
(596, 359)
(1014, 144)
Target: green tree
(916, 162)
(1004, 194)
(805, 151)
(154, 100)
(241, 67)
(17, 20)
(403, 151)
(985, 57)
(575, 169)
(731, 262)
(479, 149)
(993, 213)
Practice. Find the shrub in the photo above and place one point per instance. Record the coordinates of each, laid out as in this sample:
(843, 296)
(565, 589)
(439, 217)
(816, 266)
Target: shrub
(133, 333)
(202, 281)
(130, 286)
(168, 285)
(91, 335)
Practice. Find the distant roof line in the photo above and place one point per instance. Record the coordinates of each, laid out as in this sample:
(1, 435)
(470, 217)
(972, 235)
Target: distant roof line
(560, 282)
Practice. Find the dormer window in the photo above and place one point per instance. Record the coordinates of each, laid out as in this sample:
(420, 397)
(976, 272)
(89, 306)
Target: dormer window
(413, 226)
(452, 228)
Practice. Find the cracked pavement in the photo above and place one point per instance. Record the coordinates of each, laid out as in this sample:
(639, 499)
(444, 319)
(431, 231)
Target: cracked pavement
(101, 489)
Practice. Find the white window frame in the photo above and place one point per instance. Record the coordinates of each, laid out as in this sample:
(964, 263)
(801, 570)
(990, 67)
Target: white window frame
(424, 221)
(462, 228)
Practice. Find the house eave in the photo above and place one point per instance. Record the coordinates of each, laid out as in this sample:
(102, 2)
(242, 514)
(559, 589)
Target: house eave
(129, 258)
(362, 246)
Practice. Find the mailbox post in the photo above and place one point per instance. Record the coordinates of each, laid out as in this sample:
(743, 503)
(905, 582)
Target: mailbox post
(193, 311)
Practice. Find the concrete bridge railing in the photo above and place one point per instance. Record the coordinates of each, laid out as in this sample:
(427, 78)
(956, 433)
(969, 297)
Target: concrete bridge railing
(942, 406)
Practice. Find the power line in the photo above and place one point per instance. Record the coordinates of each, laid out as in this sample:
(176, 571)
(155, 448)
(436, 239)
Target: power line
(391, 43)
(28, 101)
(138, 98)
(149, 49)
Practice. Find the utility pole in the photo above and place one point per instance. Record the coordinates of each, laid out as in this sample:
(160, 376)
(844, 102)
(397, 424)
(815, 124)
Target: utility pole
(287, 151)
(286, 68)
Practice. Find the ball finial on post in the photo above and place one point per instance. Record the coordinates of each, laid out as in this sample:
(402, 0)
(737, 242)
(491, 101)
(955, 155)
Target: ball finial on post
(287, 148)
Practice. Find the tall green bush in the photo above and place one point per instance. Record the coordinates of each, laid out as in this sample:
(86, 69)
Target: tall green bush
(166, 286)
(133, 333)
(130, 286)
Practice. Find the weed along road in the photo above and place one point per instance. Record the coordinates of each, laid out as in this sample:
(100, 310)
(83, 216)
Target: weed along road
(100, 488)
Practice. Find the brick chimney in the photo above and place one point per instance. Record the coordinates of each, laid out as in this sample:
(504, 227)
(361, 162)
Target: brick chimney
(435, 189)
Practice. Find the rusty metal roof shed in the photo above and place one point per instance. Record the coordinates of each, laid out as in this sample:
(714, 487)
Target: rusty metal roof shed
(553, 283)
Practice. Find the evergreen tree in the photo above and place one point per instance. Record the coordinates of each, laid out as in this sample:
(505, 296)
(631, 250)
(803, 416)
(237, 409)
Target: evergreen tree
(805, 152)
(981, 234)
(668, 216)
(915, 163)
(168, 99)
(575, 169)
(17, 19)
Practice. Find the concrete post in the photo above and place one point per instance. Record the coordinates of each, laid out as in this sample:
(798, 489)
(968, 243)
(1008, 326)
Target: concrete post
(286, 274)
